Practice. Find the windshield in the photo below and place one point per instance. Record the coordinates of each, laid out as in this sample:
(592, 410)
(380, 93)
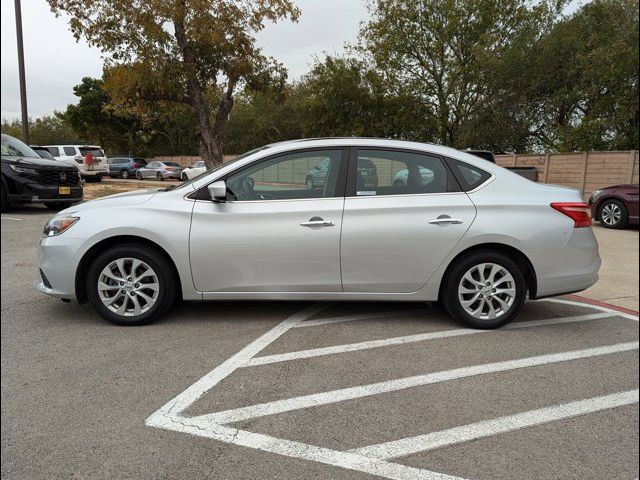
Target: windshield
(12, 147)
(207, 172)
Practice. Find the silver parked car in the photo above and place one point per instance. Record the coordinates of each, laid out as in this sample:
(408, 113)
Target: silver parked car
(159, 170)
(476, 236)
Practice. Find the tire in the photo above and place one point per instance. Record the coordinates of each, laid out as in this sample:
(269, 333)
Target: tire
(4, 199)
(159, 177)
(612, 213)
(98, 178)
(57, 206)
(163, 276)
(124, 174)
(183, 177)
(138, 175)
(458, 287)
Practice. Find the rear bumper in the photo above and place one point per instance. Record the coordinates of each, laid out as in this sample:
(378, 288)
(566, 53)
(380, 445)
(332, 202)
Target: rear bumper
(569, 269)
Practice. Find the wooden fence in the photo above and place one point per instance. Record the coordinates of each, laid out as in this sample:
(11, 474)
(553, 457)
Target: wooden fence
(586, 171)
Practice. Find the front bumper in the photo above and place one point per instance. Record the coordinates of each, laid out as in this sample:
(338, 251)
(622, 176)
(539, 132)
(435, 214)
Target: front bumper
(35, 193)
(57, 266)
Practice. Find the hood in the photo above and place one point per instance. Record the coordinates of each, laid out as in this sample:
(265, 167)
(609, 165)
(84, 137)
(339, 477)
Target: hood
(37, 162)
(117, 200)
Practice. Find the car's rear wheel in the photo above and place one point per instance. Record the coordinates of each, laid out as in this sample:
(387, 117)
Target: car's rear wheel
(159, 176)
(484, 290)
(183, 177)
(138, 175)
(613, 214)
(131, 285)
(124, 174)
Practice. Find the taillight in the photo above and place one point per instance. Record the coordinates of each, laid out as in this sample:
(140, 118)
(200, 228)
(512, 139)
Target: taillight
(579, 212)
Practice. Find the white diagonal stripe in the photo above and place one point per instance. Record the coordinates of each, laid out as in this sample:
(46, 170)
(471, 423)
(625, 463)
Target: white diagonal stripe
(211, 379)
(487, 428)
(363, 316)
(421, 337)
(334, 396)
(266, 443)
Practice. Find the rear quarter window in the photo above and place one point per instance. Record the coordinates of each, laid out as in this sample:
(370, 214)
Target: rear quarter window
(468, 176)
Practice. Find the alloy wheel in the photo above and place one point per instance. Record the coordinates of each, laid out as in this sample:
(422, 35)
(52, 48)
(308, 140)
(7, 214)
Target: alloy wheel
(125, 174)
(611, 214)
(128, 287)
(487, 291)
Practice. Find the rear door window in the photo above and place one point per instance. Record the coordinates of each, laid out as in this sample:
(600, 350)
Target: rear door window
(55, 151)
(69, 151)
(388, 172)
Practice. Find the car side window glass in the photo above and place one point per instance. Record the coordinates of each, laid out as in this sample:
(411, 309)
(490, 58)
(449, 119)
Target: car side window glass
(387, 172)
(468, 175)
(300, 175)
(55, 151)
(69, 150)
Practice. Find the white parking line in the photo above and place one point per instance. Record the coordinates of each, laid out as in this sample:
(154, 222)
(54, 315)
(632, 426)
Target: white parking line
(289, 448)
(365, 316)
(487, 428)
(618, 313)
(11, 218)
(170, 417)
(334, 396)
(420, 337)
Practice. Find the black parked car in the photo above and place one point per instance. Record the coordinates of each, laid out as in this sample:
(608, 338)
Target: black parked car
(124, 167)
(28, 178)
(42, 151)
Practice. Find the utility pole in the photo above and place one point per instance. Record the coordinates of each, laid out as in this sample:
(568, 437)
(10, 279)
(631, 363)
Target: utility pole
(23, 87)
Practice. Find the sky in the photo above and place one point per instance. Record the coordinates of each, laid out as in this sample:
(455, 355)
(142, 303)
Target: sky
(55, 62)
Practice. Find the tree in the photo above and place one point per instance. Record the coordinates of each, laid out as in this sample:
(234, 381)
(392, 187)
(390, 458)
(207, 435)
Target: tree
(441, 53)
(94, 118)
(343, 97)
(195, 52)
(44, 130)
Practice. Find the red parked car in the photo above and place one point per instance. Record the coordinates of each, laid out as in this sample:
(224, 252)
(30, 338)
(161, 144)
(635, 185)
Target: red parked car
(615, 207)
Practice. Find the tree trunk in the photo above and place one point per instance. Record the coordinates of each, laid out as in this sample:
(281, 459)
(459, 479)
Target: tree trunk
(210, 135)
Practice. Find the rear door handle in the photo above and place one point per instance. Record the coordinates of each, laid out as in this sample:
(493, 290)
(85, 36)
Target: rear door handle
(317, 222)
(445, 220)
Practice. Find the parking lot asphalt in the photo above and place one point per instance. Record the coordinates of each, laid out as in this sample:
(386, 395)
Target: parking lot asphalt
(259, 390)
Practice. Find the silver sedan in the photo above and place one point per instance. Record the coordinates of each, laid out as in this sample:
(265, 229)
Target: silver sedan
(476, 237)
(159, 171)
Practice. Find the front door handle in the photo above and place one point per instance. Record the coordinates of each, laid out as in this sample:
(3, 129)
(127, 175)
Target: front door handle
(317, 222)
(443, 220)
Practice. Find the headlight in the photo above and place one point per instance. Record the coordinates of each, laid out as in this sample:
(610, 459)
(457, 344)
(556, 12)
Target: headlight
(59, 225)
(18, 169)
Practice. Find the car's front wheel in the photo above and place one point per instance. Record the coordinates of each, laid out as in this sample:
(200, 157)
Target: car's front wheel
(124, 174)
(159, 177)
(131, 285)
(485, 290)
(613, 214)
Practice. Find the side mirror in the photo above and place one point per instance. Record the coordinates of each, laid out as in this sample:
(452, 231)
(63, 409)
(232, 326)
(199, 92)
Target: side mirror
(218, 191)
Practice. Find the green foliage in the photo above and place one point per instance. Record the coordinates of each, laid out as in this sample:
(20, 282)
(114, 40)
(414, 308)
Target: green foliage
(93, 117)
(44, 130)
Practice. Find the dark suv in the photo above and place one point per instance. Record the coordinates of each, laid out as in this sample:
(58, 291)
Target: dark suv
(124, 167)
(28, 178)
